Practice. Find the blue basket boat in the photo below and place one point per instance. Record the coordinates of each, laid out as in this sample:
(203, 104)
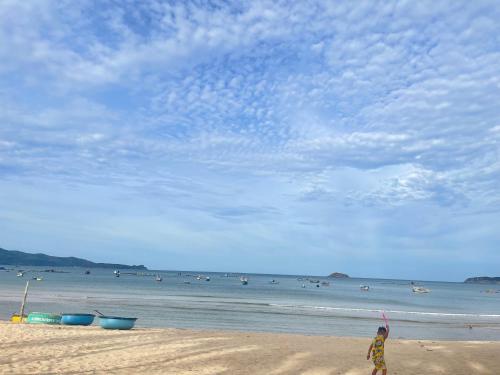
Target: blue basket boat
(116, 322)
(77, 319)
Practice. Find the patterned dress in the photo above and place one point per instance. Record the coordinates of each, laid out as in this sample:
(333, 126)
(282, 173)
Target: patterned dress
(378, 352)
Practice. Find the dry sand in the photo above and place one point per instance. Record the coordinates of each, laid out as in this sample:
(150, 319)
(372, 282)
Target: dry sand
(42, 349)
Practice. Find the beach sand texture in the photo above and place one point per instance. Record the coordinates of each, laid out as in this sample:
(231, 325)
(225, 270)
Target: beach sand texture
(43, 349)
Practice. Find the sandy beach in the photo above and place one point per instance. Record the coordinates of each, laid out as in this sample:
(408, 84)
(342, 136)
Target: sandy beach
(43, 349)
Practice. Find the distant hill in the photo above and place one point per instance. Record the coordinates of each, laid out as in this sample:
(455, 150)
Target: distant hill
(20, 258)
(338, 275)
(483, 280)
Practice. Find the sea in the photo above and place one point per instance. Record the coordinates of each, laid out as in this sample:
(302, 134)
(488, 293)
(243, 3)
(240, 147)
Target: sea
(310, 305)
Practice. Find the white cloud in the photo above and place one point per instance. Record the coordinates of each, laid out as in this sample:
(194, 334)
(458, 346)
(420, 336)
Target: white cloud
(336, 104)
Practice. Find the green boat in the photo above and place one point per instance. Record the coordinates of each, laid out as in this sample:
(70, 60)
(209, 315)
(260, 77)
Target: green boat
(43, 318)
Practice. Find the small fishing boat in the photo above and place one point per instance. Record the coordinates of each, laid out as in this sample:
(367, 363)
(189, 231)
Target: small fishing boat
(38, 278)
(87, 272)
(43, 318)
(303, 285)
(420, 289)
(490, 291)
(159, 278)
(244, 280)
(314, 281)
(274, 282)
(116, 322)
(117, 273)
(365, 288)
(207, 278)
(20, 274)
(77, 319)
(16, 318)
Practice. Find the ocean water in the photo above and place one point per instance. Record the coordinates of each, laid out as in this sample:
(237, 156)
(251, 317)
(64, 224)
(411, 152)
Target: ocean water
(340, 309)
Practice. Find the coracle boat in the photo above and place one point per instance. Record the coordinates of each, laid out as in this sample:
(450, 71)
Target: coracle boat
(43, 318)
(116, 322)
(77, 319)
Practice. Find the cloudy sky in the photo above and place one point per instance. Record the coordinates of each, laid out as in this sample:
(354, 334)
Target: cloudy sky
(263, 136)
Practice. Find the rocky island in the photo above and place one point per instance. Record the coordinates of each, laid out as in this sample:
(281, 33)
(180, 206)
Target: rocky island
(20, 258)
(338, 275)
(483, 280)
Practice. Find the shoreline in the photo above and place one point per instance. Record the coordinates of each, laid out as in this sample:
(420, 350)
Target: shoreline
(35, 349)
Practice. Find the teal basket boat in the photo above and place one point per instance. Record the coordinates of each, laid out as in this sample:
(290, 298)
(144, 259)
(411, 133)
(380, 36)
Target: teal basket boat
(77, 319)
(43, 318)
(116, 322)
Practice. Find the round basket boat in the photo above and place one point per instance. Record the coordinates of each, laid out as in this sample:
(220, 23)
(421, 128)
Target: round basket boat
(43, 318)
(116, 322)
(77, 319)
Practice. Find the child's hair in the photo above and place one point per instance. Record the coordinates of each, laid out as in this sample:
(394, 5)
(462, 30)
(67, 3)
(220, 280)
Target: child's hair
(382, 330)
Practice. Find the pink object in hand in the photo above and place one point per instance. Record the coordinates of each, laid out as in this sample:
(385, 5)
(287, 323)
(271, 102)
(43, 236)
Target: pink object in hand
(385, 318)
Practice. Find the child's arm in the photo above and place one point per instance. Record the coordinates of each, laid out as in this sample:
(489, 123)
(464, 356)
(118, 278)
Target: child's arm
(369, 351)
(386, 334)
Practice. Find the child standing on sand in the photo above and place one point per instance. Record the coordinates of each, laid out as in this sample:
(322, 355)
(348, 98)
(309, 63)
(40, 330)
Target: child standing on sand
(377, 350)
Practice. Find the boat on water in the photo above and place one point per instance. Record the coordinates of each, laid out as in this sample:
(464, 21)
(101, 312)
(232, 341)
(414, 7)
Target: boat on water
(325, 283)
(158, 278)
(364, 288)
(490, 291)
(314, 281)
(420, 289)
(38, 278)
(244, 280)
(207, 278)
(87, 272)
(273, 281)
(20, 274)
(117, 273)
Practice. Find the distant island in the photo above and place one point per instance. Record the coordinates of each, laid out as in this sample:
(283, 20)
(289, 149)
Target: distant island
(338, 275)
(483, 280)
(20, 258)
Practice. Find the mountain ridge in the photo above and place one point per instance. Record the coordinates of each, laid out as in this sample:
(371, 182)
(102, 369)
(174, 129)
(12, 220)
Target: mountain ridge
(21, 258)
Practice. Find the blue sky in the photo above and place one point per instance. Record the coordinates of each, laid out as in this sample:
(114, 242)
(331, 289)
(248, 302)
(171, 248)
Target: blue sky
(264, 136)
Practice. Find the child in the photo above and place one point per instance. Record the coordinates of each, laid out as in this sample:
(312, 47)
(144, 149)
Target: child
(377, 350)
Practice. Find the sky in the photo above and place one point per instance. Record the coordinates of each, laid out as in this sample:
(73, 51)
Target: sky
(292, 137)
